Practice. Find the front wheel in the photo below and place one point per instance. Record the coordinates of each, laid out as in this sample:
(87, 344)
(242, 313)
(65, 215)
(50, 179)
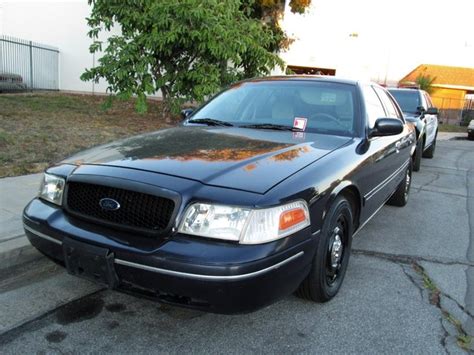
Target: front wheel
(417, 156)
(429, 153)
(330, 262)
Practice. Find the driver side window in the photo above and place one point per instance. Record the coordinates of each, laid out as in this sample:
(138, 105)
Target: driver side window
(373, 106)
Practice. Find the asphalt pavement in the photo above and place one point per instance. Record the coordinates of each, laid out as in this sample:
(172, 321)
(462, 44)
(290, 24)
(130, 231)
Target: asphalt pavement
(409, 289)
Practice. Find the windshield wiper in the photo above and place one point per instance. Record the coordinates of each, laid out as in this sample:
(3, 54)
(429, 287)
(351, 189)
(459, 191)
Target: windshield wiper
(210, 122)
(278, 127)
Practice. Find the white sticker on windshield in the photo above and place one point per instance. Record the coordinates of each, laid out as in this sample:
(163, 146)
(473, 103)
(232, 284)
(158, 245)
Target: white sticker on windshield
(300, 123)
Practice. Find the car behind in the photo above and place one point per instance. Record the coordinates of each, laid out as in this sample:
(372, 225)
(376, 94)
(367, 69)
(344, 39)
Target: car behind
(419, 109)
(10, 82)
(470, 130)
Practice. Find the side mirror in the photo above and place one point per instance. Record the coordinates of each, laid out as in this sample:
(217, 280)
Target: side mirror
(386, 127)
(186, 112)
(432, 111)
(420, 110)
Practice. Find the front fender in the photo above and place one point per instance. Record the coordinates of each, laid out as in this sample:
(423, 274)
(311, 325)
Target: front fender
(345, 185)
(420, 129)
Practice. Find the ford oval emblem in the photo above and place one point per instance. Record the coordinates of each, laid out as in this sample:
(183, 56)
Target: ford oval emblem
(109, 204)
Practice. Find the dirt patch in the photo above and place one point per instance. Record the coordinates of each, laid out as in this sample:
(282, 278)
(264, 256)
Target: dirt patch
(39, 129)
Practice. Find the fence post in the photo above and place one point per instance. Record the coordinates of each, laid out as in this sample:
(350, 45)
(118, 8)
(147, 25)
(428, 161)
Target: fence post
(31, 65)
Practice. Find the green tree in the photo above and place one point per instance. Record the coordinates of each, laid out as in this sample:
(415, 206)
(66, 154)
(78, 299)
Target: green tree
(270, 12)
(425, 82)
(177, 47)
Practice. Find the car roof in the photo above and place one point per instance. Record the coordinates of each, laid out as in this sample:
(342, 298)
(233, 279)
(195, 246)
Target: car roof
(10, 75)
(325, 78)
(405, 89)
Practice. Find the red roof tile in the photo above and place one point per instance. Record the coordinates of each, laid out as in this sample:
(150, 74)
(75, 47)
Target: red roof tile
(444, 75)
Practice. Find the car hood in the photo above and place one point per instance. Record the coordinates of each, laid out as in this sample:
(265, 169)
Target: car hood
(245, 159)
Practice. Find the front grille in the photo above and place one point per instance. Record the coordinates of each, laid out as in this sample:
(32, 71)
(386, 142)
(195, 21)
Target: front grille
(137, 210)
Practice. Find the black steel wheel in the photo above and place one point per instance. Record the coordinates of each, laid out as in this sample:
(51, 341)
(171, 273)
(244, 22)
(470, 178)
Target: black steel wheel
(332, 256)
(429, 153)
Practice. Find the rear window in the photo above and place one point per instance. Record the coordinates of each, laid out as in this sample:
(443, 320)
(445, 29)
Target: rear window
(408, 100)
(327, 107)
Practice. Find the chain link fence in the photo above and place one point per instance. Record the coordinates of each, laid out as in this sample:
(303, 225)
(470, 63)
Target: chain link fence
(454, 111)
(36, 65)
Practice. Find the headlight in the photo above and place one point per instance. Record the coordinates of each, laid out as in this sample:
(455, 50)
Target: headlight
(51, 189)
(245, 225)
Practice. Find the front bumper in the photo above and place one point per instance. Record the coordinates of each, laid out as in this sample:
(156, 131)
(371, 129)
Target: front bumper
(192, 272)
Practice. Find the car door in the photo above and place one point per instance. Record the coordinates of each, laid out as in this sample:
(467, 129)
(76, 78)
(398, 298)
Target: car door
(383, 153)
(402, 141)
(430, 120)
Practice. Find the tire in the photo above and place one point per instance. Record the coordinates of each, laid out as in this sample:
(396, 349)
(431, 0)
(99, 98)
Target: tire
(401, 194)
(327, 274)
(429, 153)
(418, 154)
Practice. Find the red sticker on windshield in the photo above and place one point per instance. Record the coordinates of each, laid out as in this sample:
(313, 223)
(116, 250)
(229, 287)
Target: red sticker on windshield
(300, 123)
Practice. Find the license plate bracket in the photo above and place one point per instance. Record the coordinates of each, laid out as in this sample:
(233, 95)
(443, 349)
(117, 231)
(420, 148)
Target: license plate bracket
(90, 262)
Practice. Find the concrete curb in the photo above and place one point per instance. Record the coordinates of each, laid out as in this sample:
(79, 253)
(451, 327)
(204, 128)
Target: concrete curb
(16, 192)
(17, 251)
(446, 136)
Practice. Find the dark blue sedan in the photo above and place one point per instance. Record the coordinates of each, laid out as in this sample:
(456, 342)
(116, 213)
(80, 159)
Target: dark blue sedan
(257, 194)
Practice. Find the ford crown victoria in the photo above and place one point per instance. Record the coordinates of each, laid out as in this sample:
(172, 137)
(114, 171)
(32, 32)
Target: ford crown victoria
(256, 195)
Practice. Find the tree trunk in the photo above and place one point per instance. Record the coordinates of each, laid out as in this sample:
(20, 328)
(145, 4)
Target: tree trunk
(223, 72)
(166, 111)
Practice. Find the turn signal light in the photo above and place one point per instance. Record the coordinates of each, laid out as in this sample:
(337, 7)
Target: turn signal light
(292, 217)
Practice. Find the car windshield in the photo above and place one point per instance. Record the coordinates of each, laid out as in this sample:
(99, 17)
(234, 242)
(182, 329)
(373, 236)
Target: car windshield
(313, 106)
(409, 100)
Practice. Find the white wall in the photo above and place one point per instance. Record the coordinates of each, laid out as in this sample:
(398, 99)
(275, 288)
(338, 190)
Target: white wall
(58, 23)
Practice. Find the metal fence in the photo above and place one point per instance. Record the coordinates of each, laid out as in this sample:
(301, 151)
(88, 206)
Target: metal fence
(453, 111)
(38, 64)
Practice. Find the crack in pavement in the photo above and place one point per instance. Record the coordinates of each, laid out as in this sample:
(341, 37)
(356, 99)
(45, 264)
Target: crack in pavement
(437, 177)
(412, 280)
(413, 260)
(418, 190)
(425, 284)
(460, 306)
(443, 168)
(410, 259)
(421, 289)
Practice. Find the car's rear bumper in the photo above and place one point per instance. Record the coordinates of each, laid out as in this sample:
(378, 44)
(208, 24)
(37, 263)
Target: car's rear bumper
(192, 272)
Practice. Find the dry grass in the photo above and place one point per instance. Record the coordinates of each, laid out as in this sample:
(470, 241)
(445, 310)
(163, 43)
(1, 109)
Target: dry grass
(452, 128)
(41, 128)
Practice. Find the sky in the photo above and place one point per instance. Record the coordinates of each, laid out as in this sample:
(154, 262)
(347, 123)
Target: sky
(393, 37)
